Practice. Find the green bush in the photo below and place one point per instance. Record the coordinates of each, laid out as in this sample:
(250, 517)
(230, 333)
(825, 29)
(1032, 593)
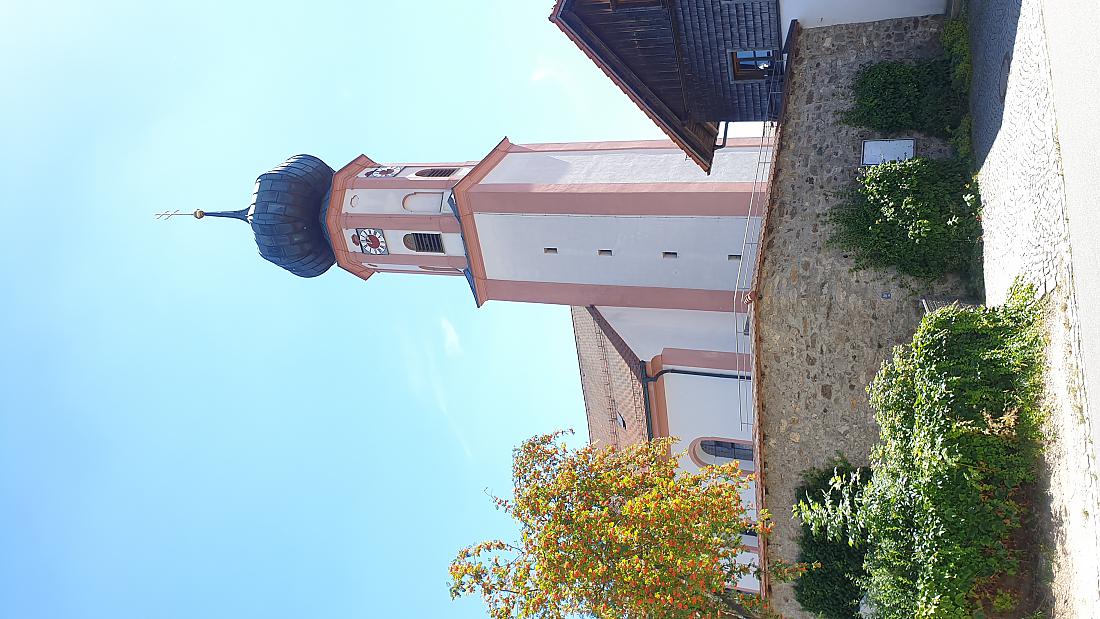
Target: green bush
(919, 216)
(959, 414)
(956, 44)
(831, 588)
(894, 97)
(960, 138)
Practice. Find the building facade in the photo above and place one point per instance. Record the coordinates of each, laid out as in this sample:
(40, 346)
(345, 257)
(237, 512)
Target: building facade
(692, 65)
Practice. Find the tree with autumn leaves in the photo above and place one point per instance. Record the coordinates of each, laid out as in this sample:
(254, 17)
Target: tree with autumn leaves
(616, 533)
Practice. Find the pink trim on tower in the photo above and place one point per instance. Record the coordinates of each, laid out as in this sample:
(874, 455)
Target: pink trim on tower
(418, 272)
(427, 260)
(672, 199)
(426, 223)
(710, 359)
(614, 296)
(336, 209)
(466, 216)
(564, 147)
(659, 408)
(401, 182)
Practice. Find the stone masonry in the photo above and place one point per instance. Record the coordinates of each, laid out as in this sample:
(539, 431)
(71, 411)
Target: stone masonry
(824, 330)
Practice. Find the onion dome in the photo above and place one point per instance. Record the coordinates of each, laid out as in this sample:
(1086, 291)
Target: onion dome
(285, 215)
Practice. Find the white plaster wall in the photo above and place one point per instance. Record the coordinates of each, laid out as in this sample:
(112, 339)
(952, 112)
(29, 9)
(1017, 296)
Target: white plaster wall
(394, 267)
(700, 406)
(623, 166)
(649, 331)
(392, 201)
(816, 13)
(375, 200)
(513, 246)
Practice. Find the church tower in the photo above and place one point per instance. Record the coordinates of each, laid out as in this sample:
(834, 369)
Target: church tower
(663, 250)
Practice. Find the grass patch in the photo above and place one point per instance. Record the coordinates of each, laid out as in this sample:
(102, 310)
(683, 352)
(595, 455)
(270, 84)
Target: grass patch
(959, 414)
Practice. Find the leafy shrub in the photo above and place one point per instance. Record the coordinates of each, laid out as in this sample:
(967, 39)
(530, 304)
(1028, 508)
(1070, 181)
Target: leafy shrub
(1005, 601)
(831, 589)
(960, 138)
(956, 44)
(958, 410)
(895, 96)
(919, 216)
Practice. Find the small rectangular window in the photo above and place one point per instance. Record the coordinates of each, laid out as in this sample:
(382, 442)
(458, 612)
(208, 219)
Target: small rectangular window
(604, 252)
(549, 250)
(751, 64)
(669, 254)
(733, 257)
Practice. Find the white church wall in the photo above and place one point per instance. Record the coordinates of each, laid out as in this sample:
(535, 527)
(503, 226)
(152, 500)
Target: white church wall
(706, 407)
(735, 164)
(388, 201)
(816, 13)
(649, 331)
(515, 246)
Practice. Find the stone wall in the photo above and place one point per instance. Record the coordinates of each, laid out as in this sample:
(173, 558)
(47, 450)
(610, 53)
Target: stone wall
(824, 330)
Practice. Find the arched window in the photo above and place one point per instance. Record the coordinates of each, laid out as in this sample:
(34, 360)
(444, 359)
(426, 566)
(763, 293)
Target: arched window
(423, 242)
(436, 172)
(423, 202)
(714, 451)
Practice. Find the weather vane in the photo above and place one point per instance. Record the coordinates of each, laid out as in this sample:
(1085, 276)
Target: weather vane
(167, 215)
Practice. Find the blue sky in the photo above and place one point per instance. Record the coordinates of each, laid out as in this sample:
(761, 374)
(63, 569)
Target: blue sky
(188, 431)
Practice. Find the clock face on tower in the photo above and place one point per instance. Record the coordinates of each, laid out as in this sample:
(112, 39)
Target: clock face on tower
(371, 241)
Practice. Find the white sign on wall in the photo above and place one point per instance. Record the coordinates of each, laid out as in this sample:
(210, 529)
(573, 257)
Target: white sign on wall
(881, 151)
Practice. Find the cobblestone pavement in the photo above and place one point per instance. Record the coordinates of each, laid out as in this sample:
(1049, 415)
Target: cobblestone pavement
(1026, 235)
(824, 330)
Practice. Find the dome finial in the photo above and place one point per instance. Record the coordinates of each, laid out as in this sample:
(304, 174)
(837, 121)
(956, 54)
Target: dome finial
(241, 214)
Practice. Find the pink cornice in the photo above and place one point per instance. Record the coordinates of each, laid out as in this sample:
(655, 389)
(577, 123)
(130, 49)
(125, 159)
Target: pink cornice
(613, 296)
(427, 223)
(425, 260)
(708, 359)
(336, 208)
(564, 147)
(413, 184)
(663, 199)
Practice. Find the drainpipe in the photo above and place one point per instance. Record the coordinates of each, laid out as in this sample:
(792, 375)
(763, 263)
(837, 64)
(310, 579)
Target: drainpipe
(725, 134)
(647, 379)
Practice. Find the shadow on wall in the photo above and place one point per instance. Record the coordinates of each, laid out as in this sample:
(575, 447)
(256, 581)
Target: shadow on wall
(993, 28)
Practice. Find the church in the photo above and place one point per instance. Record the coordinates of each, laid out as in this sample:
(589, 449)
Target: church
(653, 244)
(653, 255)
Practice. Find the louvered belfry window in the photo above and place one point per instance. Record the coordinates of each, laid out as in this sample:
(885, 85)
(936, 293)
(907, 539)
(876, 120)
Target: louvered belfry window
(437, 172)
(424, 242)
